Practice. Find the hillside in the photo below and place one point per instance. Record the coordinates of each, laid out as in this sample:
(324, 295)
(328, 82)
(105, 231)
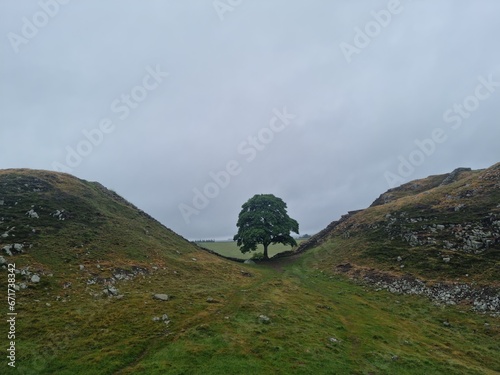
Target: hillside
(103, 288)
(441, 229)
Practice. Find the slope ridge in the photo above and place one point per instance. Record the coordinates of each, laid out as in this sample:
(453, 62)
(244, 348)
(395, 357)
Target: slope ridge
(440, 228)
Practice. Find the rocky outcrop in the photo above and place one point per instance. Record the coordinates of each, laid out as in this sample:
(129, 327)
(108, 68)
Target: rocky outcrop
(480, 299)
(453, 176)
(473, 237)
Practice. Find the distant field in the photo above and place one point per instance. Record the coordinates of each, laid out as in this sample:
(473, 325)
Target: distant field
(230, 249)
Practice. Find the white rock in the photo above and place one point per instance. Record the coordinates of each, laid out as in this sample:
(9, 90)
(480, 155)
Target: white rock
(35, 279)
(32, 214)
(161, 297)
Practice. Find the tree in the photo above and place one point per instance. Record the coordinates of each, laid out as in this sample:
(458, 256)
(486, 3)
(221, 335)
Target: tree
(263, 220)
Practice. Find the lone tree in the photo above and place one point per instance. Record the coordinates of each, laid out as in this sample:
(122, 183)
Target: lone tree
(264, 220)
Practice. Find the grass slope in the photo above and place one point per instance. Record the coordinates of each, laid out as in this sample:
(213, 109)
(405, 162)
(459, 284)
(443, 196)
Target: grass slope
(319, 322)
(429, 226)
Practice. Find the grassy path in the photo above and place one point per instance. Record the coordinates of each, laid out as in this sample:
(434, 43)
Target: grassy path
(325, 324)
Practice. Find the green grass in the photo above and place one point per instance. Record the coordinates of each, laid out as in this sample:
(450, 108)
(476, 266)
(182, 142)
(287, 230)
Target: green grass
(231, 249)
(77, 330)
(307, 306)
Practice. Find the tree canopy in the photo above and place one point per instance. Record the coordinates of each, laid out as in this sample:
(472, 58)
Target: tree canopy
(264, 220)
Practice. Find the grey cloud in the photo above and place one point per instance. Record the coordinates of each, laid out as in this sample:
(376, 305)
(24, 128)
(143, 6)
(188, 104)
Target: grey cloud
(353, 119)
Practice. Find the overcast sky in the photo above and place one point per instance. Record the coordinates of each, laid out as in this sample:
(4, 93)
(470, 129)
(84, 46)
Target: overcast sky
(324, 103)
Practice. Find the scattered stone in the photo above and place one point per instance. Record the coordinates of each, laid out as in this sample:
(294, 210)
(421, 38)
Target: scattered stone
(164, 319)
(110, 291)
(161, 297)
(263, 319)
(333, 339)
(35, 279)
(32, 214)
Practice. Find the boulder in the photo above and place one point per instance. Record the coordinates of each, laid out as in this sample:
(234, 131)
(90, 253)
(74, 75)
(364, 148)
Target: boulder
(263, 319)
(35, 279)
(110, 291)
(161, 297)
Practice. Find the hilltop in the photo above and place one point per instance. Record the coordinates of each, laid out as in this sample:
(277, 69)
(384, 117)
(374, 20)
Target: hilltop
(102, 287)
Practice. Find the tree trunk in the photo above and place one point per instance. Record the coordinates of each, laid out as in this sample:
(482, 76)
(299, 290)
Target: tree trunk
(266, 257)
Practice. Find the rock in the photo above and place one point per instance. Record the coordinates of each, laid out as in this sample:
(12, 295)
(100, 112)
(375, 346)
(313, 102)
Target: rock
(25, 272)
(399, 259)
(194, 259)
(333, 339)
(263, 319)
(35, 279)
(110, 291)
(32, 214)
(161, 297)
(439, 227)
(164, 319)
(452, 177)
(211, 300)
(249, 261)
(2, 261)
(446, 259)
(82, 267)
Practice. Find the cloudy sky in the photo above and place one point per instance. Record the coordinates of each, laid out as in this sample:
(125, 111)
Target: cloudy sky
(188, 108)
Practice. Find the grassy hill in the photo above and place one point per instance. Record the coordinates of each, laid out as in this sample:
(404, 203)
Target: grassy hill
(441, 228)
(100, 261)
